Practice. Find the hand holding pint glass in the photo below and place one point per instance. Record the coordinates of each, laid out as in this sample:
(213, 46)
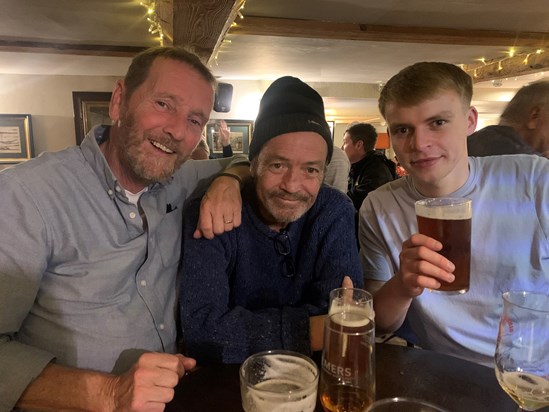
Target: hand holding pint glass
(347, 377)
(448, 220)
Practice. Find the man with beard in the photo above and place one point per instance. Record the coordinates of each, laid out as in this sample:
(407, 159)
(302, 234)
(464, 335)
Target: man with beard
(266, 284)
(90, 246)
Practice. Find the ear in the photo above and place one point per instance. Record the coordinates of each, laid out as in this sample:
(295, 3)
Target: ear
(253, 167)
(116, 100)
(533, 118)
(472, 118)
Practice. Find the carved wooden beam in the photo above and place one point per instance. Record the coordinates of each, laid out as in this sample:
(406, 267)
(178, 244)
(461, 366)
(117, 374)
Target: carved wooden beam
(268, 26)
(201, 25)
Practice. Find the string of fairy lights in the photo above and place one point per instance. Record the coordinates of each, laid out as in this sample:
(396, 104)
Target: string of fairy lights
(156, 29)
(511, 55)
(155, 23)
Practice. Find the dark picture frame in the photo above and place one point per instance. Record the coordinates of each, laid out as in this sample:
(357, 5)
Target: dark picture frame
(90, 109)
(16, 143)
(241, 134)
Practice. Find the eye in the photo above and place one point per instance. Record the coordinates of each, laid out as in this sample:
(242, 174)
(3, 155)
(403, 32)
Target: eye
(162, 104)
(399, 131)
(196, 122)
(276, 167)
(312, 171)
(439, 122)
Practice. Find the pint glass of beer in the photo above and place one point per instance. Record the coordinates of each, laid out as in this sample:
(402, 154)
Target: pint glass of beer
(278, 381)
(448, 220)
(347, 377)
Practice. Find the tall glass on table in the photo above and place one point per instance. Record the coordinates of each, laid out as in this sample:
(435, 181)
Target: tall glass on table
(347, 377)
(522, 349)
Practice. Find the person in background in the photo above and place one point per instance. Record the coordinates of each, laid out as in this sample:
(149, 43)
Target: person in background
(428, 110)
(369, 168)
(90, 246)
(523, 126)
(202, 150)
(225, 137)
(337, 172)
(266, 284)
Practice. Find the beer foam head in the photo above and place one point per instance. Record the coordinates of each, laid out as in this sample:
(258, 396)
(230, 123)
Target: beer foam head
(445, 208)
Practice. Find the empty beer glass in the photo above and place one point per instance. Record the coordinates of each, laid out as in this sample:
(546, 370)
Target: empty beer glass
(448, 220)
(347, 377)
(278, 381)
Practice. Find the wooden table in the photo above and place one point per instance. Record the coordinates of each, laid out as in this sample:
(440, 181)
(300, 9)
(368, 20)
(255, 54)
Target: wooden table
(449, 382)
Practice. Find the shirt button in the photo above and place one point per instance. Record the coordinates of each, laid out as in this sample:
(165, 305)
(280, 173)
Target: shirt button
(110, 192)
(132, 215)
(161, 326)
(143, 283)
(117, 188)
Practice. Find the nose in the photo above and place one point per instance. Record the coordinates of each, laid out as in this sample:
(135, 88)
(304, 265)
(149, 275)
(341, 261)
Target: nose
(176, 127)
(290, 180)
(419, 139)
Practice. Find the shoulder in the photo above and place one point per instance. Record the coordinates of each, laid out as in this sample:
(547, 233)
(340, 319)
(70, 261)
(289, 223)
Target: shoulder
(332, 196)
(512, 163)
(497, 140)
(530, 172)
(390, 193)
(48, 167)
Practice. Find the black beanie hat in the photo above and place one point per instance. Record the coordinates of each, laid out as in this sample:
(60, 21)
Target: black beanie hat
(288, 106)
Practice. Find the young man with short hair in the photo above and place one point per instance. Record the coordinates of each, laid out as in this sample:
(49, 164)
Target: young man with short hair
(428, 112)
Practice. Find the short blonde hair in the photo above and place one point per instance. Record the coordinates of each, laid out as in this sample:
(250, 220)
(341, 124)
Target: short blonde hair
(421, 81)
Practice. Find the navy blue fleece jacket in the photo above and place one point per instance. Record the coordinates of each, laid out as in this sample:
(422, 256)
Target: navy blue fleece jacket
(235, 299)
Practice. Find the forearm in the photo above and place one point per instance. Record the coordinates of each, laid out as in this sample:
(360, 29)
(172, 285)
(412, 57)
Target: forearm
(60, 388)
(391, 303)
(240, 172)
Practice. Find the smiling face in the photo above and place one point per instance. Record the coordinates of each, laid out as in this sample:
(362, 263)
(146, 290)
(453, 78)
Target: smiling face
(159, 125)
(288, 173)
(430, 141)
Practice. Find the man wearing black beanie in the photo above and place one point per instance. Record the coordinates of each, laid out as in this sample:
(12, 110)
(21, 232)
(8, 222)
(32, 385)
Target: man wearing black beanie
(265, 285)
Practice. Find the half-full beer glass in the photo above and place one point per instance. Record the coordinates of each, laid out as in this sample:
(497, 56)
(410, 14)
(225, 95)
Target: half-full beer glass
(278, 381)
(347, 377)
(448, 220)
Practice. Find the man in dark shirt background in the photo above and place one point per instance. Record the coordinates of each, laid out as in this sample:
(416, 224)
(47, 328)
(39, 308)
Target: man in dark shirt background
(369, 167)
(523, 126)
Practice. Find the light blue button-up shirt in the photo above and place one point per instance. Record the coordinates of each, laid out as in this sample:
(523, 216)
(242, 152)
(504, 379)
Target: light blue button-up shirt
(84, 274)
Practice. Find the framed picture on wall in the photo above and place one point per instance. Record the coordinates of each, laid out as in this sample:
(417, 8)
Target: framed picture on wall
(90, 109)
(15, 138)
(241, 134)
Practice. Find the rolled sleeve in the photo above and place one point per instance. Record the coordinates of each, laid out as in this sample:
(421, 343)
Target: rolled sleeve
(23, 363)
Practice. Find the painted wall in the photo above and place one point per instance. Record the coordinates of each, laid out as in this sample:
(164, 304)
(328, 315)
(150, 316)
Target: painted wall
(48, 99)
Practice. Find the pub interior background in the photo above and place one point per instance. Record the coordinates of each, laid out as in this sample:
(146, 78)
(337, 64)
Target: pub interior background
(346, 49)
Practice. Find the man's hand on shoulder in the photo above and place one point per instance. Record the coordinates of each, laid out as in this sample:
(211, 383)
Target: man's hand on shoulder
(221, 206)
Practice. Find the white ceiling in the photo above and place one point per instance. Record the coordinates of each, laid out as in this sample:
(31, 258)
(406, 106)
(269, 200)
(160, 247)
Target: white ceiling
(328, 64)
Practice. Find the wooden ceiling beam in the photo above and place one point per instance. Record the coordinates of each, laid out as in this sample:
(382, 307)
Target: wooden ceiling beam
(268, 26)
(201, 25)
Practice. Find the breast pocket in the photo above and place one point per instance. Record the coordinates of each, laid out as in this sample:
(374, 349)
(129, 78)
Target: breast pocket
(169, 238)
